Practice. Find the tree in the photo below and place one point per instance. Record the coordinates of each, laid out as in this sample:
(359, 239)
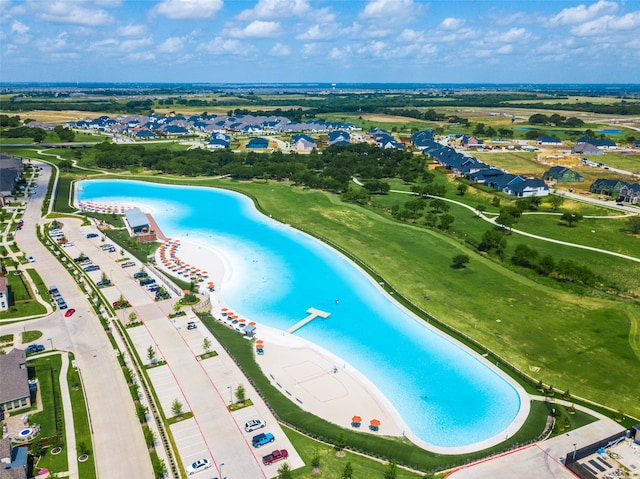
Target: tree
(132, 317)
(490, 132)
(634, 224)
(446, 221)
(240, 393)
(284, 471)
(176, 407)
(65, 165)
(571, 218)
(391, 472)
(462, 189)
(439, 205)
(493, 240)
(341, 443)
(460, 261)
(315, 461)
(479, 129)
(206, 344)
(555, 201)
(348, 471)
(151, 354)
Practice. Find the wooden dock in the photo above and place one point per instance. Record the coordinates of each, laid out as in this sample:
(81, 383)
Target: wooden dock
(313, 314)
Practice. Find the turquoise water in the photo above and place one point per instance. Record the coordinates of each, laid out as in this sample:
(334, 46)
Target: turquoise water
(609, 131)
(446, 396)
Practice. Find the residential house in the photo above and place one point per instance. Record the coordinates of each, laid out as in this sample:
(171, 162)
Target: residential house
(302, 142)
(584, 148)
(338, 137)
(601, 143)
(467, 141)
(11, 168)
(13, 460)
(423, 139)
(527, 188)
(174, 130)
(485, 175)
(548, 140)
(630, 194)
(14, 381)
(145, 134)
(604, 186)
(219, 140)
(636, 144)
(258, 143)
(4, 294)
(562, 174)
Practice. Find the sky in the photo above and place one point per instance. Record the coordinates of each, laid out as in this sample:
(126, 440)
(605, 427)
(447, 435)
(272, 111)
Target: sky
(337, 41)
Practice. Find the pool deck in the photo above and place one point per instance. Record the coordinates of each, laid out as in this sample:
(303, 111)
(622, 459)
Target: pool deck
(322, 383)
(313, 314)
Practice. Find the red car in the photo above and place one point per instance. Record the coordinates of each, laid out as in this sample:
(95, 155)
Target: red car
(69, 312)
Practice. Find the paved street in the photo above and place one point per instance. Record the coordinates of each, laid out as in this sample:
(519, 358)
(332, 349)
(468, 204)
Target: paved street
(119, 446)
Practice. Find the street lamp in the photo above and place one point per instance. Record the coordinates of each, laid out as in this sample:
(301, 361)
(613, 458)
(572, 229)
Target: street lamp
(220, 469)
(50, 342)
(574, 450)
(230, 394)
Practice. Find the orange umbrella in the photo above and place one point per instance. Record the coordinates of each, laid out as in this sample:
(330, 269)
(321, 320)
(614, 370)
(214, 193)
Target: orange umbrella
(243, 320)
(259, 341)
(375, 422)
(356, 419)
(252, 323)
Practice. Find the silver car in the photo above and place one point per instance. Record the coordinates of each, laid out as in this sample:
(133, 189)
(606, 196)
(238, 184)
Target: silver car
(254, 424)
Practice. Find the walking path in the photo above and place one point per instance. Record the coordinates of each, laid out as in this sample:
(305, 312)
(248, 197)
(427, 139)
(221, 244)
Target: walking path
(69, 425)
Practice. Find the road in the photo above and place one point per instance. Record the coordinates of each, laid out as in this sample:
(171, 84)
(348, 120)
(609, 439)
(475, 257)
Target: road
(118, 443)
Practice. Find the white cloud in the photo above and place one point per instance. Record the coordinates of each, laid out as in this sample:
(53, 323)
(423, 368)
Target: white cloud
(309, 49)
(54, 44)
(275, 9)
(389, 9)
(505, 49)
(451, 23)
(171, 45)
(317, 32)
(76, 12)
(188, 9)
(339, 53)
(256, 29)
(132, 30)
(410, 36)
(224, 46)
(582, 13)
(280, 50)
(512, 35)
(608, 24)
(138, 44)
(140, 56)
(19, 27)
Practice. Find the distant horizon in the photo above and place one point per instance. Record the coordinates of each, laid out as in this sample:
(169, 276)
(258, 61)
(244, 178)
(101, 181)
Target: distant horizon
(328, 41)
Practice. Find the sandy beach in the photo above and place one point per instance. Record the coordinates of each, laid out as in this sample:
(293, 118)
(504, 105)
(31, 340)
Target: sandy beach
(312, 377)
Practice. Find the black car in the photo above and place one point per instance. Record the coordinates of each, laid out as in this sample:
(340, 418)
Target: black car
(92, 235)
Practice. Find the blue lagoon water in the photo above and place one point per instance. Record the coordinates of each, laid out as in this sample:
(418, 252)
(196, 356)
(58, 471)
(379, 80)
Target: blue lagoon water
(446, 395)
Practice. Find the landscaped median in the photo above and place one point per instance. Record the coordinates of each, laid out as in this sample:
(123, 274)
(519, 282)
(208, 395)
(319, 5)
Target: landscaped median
(384, 448)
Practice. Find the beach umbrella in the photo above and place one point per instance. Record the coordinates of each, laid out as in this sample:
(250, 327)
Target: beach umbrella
(205, 272)
(374, 422)
(356, 419)
(252, 323)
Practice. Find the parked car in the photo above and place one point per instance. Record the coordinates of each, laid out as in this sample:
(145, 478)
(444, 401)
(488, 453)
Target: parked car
(128, 264)
(69, 313)
(67, 244)
(31, 259)
(35, 348)
(254, 424)
(140, 274)
(62, 304)
(103, 283)
(106, 246)
(275, 456)
(92, 235)
(262, 439)
(162, 295)
(153, 287)
(91, 267)
(191, 325)
(147, 281)
(199, 465)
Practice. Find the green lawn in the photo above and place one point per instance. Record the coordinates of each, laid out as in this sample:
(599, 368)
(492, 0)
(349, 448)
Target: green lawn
(47, 370)
(32, 335)
(82, 431)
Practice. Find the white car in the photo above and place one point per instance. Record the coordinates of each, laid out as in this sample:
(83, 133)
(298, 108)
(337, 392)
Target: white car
(254, 424)
(67, 244)
(199, 465)
(31, 259)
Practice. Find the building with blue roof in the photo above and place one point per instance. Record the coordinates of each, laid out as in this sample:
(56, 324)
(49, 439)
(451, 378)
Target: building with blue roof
(258, 143)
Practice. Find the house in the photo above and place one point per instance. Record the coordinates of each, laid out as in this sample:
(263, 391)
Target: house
(144, 134)
(10, 171)
(630, 194)
(4, 294)
(584, 148)
(527, 188)
(485, 175)
(604, 186)
(137, 221)
(175, 130)
(467, 141)
(258, 143)
(302, 142)
(219, 140)
(548, 140)
(14, 381)
(636, 144)
(601, 143)
(423, 139)
(338, 137)
(562, 174)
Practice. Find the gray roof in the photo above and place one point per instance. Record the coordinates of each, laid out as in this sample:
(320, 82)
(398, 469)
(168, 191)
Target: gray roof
(136, 218)
(13, 378)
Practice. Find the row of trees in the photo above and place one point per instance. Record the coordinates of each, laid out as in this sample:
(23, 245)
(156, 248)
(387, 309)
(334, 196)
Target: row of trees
(555, 119)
